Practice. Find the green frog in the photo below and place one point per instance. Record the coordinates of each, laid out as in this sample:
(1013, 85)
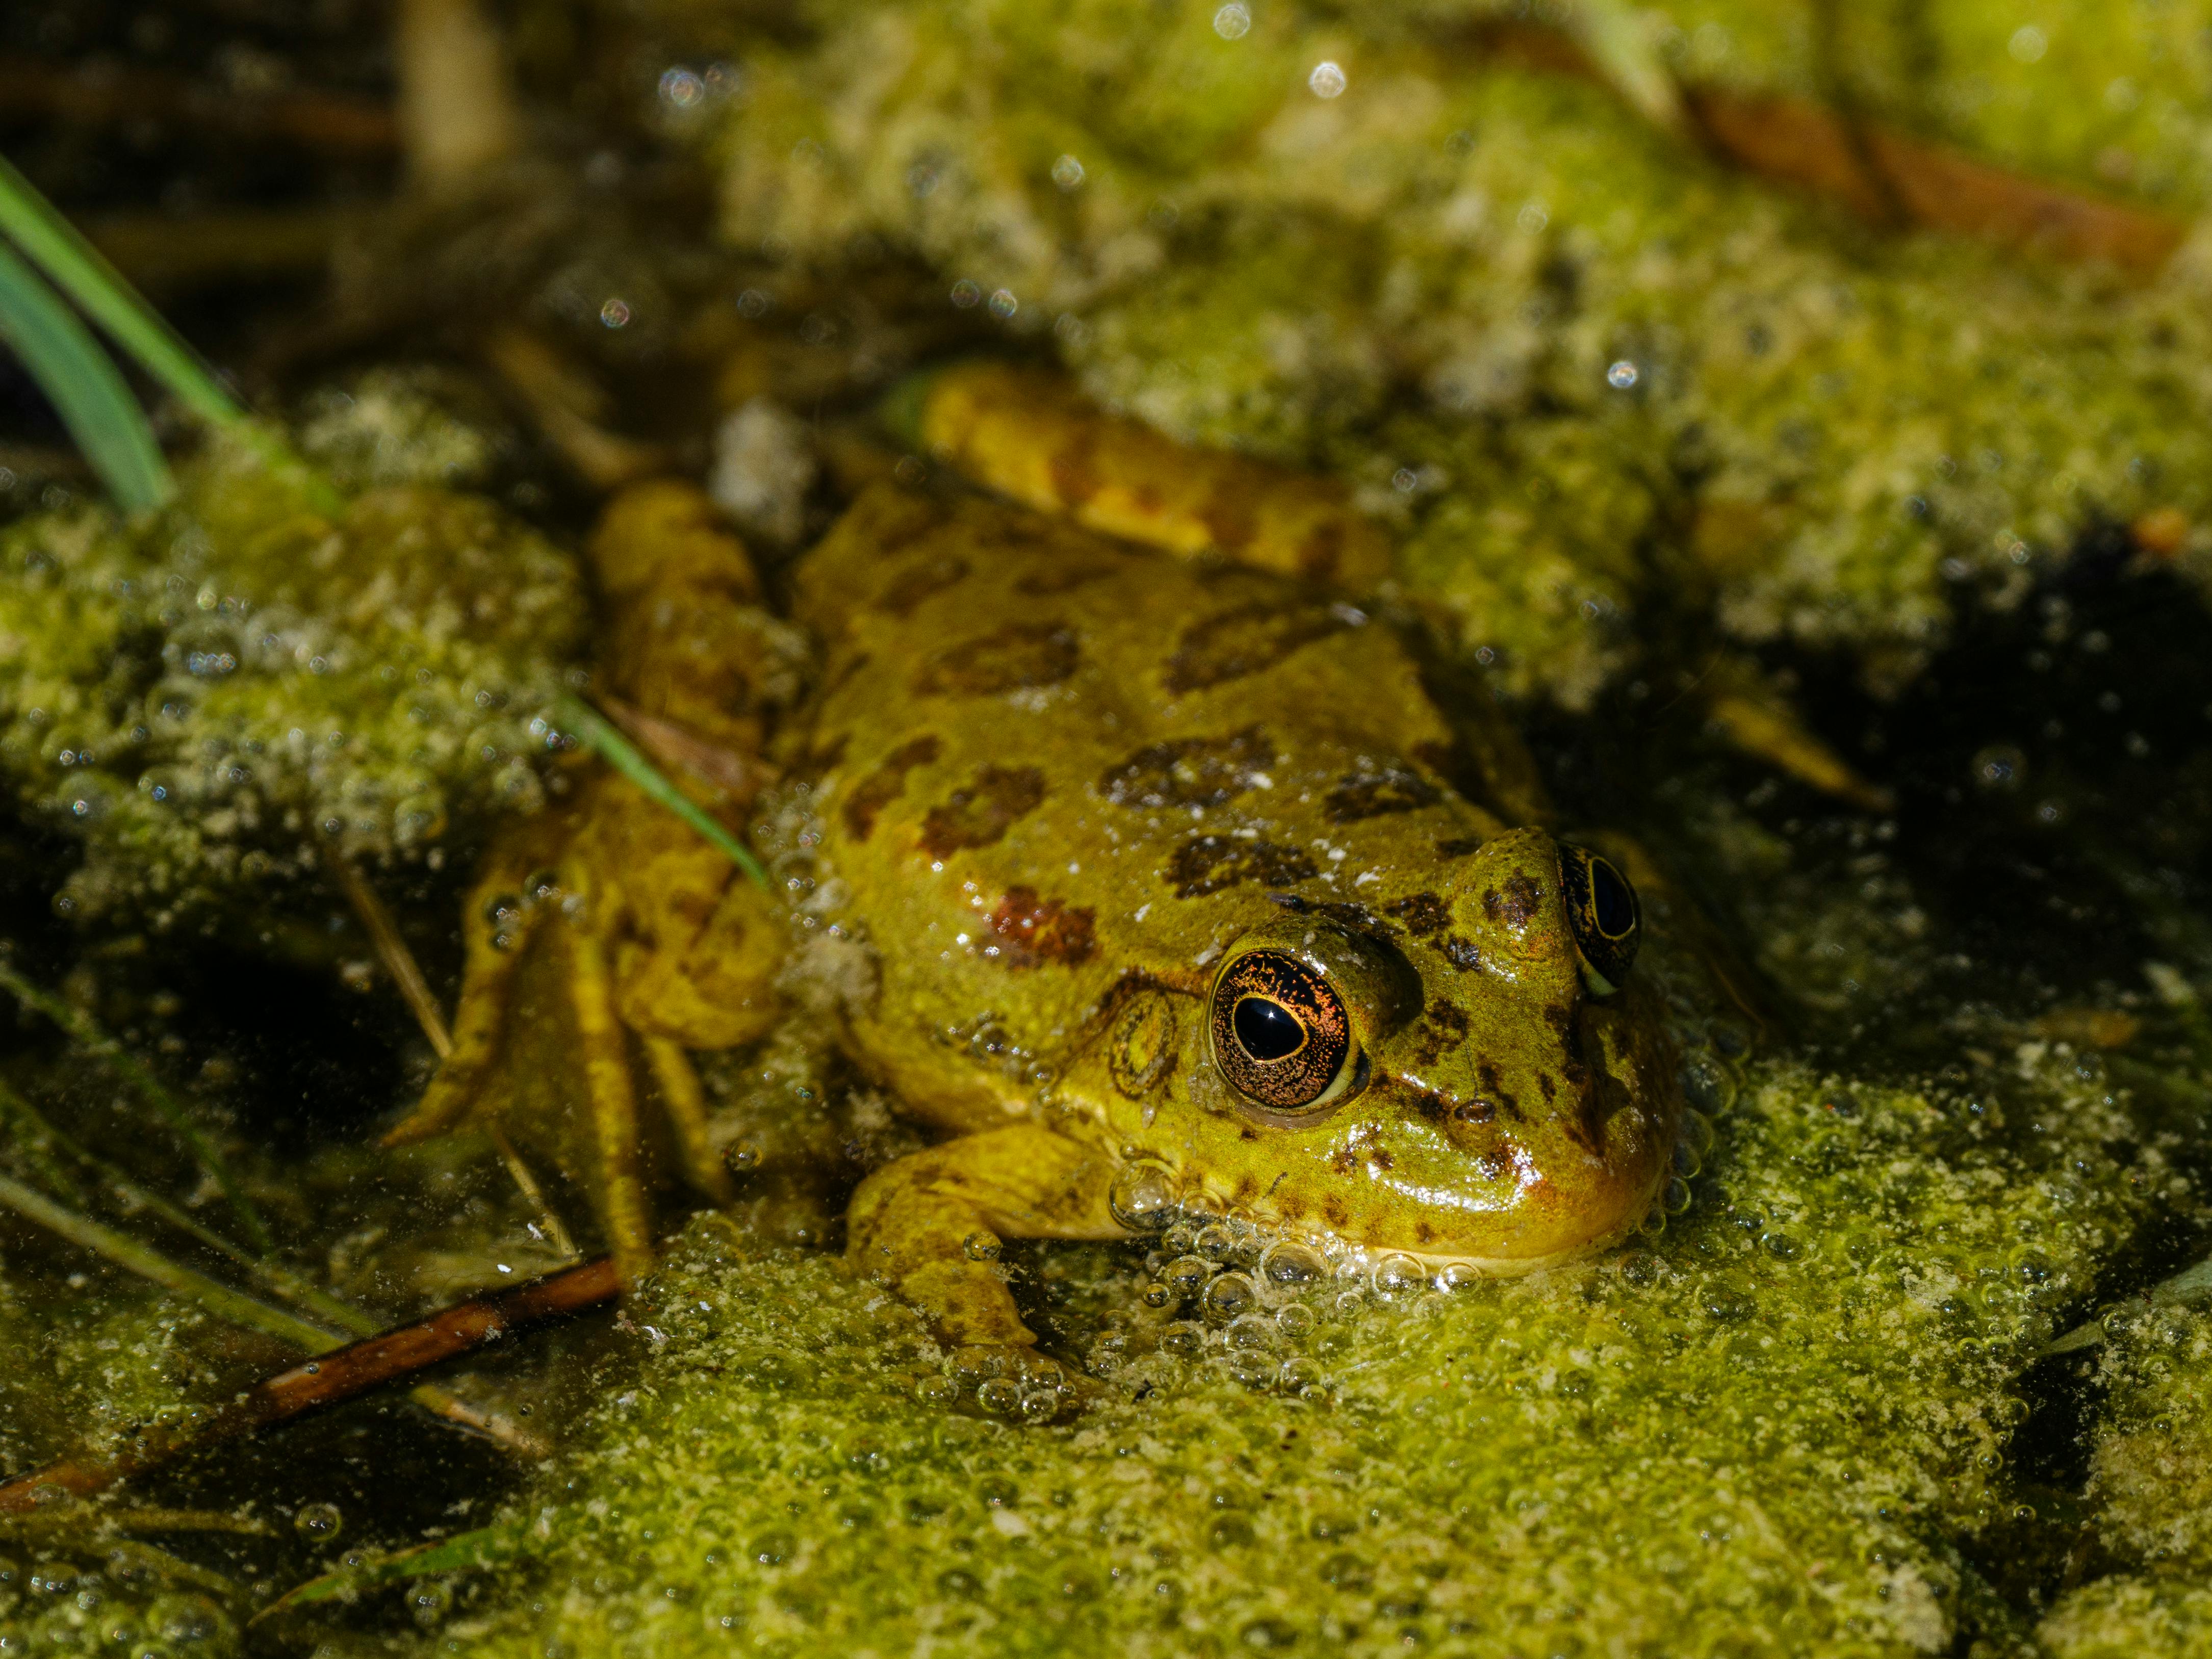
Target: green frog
(1179, 892)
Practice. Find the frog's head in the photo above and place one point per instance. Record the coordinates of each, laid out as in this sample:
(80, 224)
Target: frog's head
(1482, 1079)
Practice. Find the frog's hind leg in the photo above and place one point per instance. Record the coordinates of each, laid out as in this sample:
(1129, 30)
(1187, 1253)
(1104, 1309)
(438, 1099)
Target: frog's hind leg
(503, 910)
(685, 1103)
(929, 1224)
(610, 1095)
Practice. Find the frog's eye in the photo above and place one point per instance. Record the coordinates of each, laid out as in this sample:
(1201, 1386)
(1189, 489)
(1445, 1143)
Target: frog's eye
(1280, 1033)
(1601, 909)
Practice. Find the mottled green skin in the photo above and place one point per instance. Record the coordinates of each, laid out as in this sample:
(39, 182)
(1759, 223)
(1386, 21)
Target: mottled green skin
(211, 696)
(1822, 416)
(1067, 782)
(1758, 1436)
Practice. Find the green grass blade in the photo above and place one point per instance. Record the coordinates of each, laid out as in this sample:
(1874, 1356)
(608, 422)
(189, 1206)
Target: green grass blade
(486, 1547)
(587, 723)
(127, 1253)
(87, 1035)
(85, 389)
(81, 272)
(78, 269)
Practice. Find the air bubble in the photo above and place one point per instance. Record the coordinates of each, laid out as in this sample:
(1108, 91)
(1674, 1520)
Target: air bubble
(1143, 1197)
(429, 1602)
(1397, 1277)
(1296, 1322)
(1676, 1198)
(981, 1246)
(1253, 1369)
(1000, 1395)
(1228, 1297)
(1287, 1264)
(1251, 1333)
(1185, 1339)
(1187, 1274)
(1298, 1375)
(1040, 1405)
(1179, 1237)
(1217, 1242)
(321, 1523)
(1708, 1083)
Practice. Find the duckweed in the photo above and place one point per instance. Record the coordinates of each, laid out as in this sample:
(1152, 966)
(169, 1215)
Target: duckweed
(1746, 409)
(211, 696)
(1705, 1445)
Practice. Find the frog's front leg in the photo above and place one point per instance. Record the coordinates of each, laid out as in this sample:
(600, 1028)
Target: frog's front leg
(928, 1225)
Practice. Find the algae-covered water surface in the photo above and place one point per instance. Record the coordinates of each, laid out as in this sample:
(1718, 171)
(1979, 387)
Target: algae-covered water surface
(1161, 829)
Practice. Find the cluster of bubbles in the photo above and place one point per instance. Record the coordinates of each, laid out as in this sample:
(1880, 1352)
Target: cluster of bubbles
(1270, 1307)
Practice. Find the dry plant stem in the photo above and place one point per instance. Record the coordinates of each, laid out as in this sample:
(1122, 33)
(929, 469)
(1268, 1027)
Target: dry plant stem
(556, 1233)
(457, 116)
(162, 253)
(235, 1307)
(337, 1375)
(392, 950)
(566, 406)
(106, 94)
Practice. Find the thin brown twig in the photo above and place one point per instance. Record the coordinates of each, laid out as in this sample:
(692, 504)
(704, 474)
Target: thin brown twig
(105, 94)
(343, 1374)
(392, 950)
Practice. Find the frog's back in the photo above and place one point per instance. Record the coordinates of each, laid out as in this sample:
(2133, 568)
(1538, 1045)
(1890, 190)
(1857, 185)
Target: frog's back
(1048, 762)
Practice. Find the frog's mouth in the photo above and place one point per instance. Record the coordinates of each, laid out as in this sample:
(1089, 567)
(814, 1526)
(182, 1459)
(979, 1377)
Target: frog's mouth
(1513, 1267)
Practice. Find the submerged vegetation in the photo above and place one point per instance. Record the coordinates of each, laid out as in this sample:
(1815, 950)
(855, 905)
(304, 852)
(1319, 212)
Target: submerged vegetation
(1904, 1368)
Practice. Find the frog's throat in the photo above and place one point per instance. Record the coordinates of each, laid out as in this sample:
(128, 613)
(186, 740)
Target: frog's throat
(1515, 1267)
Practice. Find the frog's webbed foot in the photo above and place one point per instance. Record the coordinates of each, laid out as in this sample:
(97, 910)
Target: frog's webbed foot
(931, 1226)
(606, 938)
(602, 945)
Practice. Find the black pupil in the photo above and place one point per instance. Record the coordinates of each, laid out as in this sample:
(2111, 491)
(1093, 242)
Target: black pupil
(1267, 1030)
(1616, 909)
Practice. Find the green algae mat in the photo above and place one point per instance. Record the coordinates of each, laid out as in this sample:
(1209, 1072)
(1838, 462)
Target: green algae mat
(1911, 1361)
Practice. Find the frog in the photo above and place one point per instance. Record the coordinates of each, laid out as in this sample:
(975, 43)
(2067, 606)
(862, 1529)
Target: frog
(1179, 890)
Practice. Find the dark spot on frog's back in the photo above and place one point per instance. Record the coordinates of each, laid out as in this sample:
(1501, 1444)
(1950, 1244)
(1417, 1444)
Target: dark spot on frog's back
(908, 588)
(1245, 641)
(1031, 930)
(1208, 864)
(1053, 579)
(1378, 793)
(982, 813)
(1423, 913)
(1020, 656)
(1513, 901)
(1189, 771)
(886, 785)
(1459, 846)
